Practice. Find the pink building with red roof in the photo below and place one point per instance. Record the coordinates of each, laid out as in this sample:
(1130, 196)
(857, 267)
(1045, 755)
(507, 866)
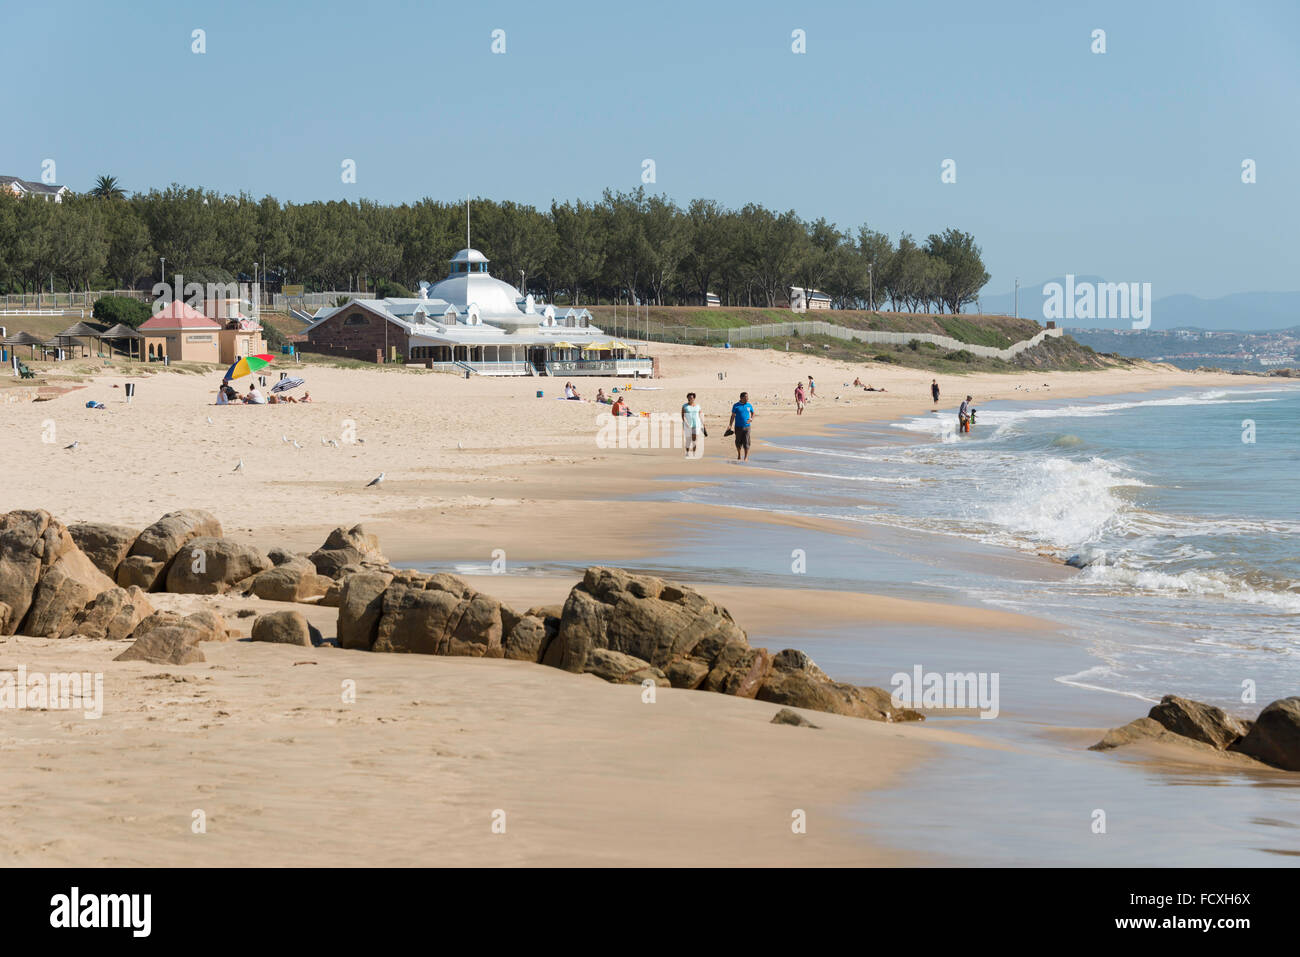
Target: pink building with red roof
(183, 334)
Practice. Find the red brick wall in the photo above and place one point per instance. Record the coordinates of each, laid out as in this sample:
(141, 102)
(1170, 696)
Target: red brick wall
(334, 338)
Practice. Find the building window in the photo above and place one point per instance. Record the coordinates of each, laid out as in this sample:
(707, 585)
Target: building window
(356, 319)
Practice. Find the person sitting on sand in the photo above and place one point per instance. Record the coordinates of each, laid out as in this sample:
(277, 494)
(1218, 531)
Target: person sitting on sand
(870, 389)
(306, 397)
(602, 397)
(254, 396)
(857, 381)
(571, 393)
(222, 398)
(620, 407)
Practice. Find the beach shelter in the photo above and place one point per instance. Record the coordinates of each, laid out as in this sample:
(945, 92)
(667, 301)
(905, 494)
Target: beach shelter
(122, 331)
(82, 331)
(24, 339)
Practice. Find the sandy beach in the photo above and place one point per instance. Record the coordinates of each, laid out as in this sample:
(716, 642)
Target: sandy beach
(413, 771)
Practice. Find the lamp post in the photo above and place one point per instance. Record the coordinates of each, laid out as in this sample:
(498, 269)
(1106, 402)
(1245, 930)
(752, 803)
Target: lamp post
(871, 285)
(257, 306)
(163, 260)
(1017, 297)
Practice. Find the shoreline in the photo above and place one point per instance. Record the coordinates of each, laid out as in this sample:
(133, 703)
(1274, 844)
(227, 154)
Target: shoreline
(549, 499)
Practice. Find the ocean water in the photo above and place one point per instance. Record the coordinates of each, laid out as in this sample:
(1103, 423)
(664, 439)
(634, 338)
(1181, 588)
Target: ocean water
(1183, 507)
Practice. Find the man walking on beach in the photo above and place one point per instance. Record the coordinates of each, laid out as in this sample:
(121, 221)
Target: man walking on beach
(963, 416)
(692, 426)
(934, 390)
(742, 414)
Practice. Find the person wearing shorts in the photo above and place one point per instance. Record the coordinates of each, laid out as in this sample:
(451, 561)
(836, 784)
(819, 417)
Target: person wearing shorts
(692, 426)
(742, 416)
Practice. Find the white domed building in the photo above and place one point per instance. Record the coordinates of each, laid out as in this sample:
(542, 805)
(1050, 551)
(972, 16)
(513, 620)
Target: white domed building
(471, 321)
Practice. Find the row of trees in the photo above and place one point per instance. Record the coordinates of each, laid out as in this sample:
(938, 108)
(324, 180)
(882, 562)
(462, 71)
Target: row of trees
(626, 245)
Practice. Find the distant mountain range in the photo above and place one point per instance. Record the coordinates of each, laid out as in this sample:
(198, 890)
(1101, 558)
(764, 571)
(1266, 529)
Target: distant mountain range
(1239, 311)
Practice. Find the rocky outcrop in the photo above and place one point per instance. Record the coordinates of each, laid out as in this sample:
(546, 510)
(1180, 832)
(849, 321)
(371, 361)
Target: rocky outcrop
(166, 638)
(283, 628)
(786, 716)
(208, 566)
(438, 615)
(105, 545)
(796, 681)
(1200, 722)
(156, 546)
(343, 547)
(45, 579)
(31, 542)
(112, 615)
(361, 602)
(527, 638)
(293, 580)
(645, 617)
(618, 668)
(1274, 738)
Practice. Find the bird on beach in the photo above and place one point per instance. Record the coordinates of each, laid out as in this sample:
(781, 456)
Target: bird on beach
(460, 445)
(376, 480)
(72, 446)
(239, 467)
(324, 441)
(296, 445)
(284, 439)
(334, 443)
(209, 420)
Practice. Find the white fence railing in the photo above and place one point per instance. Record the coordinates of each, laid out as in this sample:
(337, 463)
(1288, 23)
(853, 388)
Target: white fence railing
(818, 328)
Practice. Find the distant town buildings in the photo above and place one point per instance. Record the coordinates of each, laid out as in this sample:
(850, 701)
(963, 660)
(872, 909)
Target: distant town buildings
(802, 300)
(29, 188)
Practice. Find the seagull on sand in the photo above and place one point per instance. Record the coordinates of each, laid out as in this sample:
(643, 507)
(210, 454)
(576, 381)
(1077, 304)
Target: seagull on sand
(459, 444)
(239, 467)
(324, 441)
(209, 420)
(284, 439)
(376, 480)
(72, 446)
(296, 445)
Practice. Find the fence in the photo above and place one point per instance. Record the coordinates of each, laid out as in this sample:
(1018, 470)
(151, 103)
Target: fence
(311, 300)
(67, 300)
(706, 335)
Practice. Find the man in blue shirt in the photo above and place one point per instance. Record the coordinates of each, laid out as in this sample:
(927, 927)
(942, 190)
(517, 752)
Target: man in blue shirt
(742, 414)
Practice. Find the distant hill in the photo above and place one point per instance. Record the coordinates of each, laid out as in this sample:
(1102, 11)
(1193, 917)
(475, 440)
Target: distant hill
(1239, 311)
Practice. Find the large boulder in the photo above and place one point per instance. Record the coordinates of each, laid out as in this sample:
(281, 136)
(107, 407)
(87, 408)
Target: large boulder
(293, 580)
(347, 546)
(616, 667)
(642, 616)
(66, 587)
(528, 637)
(105, 545)
(160, 542)
(139, 571)
(113, 615)
(361, 601)
(209, 566)
(5, 613)
(795, 681)
(1198, 721)
(30, 543)
(166, 638)
(283, 628)
(1275, 736)
(438, 615)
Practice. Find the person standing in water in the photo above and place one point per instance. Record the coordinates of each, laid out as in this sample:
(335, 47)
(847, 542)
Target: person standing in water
(934, 391)
(963, 416)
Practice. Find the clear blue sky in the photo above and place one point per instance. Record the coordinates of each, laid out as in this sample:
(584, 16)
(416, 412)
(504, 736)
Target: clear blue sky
(1124, 165)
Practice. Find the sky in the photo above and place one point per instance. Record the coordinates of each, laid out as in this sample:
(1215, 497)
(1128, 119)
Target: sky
(1125, 164)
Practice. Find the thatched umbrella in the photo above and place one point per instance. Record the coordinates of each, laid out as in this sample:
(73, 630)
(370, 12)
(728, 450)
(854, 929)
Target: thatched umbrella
(83, 330)
(24, 339)
(121, 331)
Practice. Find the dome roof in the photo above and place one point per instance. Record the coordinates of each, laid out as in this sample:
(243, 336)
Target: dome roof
(469, 256)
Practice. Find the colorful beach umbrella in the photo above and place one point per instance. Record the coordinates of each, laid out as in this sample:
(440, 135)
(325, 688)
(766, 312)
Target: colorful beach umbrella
(248, 365)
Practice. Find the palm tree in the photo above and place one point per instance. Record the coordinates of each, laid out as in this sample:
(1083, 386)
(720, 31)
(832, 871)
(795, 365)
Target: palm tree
(106, 188)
